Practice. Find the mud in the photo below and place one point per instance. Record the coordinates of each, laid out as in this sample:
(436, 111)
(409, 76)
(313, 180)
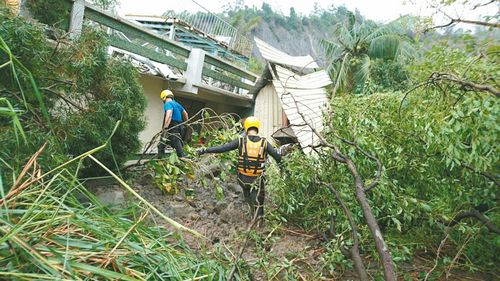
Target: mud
(274, 252)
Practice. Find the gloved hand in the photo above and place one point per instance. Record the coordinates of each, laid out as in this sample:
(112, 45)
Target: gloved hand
(201, 151)
(285, 149)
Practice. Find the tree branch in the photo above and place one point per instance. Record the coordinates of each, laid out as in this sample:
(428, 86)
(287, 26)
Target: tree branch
(484, 174)
(459, 20)
(484, 4)
(475, 214)
(437, 76)
(482, 23)
(353, 252)
(371, 221)
(378, 173)
(61, 96)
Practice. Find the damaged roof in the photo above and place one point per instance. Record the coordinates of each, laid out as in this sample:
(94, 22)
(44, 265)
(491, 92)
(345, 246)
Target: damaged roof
(302, 97)
(274, 55)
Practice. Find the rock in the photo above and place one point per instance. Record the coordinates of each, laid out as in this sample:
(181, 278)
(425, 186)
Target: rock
(182, 210)
(111, 197)
(178, 198)
(147, 179)
(194, 217)
(204, 213)
(234, 187)
(219, 207)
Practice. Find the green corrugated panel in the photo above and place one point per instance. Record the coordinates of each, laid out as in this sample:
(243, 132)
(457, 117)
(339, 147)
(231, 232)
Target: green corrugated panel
(131, 30)
(226, 79)
(230, 68)
(145, 52)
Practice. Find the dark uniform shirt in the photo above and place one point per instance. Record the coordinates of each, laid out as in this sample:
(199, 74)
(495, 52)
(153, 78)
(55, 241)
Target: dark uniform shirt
(232, 145)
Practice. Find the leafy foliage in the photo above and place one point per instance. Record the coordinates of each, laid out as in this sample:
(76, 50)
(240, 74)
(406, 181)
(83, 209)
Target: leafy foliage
(439, 148)
(72, 98)
(51, 12)
(356, 44)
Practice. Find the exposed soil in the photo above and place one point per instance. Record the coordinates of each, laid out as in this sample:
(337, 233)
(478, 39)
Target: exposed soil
(272, 252)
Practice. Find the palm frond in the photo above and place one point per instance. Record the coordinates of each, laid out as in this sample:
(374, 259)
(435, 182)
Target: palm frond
(340, 72)
(406, 50)
(385, 47)
(362, 73)
(332, 49)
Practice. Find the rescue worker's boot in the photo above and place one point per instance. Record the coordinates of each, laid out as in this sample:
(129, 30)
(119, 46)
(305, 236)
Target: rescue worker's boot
(261, 224)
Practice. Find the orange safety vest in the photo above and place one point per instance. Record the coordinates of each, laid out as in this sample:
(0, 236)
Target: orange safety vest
(252, 156)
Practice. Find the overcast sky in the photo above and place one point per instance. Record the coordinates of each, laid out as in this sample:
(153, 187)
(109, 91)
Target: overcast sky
(379, 10)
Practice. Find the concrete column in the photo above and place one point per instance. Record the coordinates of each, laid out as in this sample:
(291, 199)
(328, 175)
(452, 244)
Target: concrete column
(171, 34)
(76, 20)
(194, 70)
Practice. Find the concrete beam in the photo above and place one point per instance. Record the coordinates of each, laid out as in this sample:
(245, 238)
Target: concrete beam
(194, 71)
(76, 20)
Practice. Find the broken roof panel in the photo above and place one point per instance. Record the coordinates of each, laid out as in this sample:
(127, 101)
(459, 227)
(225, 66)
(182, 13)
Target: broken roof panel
(313, 80)
(274, 55)
(145, 65)
(303, 106)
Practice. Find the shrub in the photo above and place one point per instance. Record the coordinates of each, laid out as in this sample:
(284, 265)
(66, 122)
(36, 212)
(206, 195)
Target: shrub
(84, 90)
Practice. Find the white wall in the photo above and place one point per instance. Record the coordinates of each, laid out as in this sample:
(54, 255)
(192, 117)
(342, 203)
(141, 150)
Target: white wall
(154, 109)
(269, 111)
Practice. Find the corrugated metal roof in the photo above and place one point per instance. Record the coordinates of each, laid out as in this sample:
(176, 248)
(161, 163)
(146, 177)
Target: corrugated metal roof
(303, 99)
(274, 55)
(313, 80)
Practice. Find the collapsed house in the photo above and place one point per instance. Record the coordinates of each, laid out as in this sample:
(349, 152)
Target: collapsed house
(290, 97)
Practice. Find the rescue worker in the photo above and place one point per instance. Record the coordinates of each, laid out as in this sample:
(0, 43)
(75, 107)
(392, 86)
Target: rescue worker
(252, 154)
(173, 117)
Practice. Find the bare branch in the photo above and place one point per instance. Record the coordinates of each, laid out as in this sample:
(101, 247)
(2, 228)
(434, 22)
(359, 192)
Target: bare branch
(482, 23)
(419, 85)
(437, 257)
(353, 252)
(437, 76)
(484, 174)
(475, 214)
(439, 26)
(459, 20)
(61, 96)
(484, 4)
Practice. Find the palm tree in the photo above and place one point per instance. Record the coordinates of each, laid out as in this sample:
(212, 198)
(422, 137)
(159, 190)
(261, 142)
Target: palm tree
(356, 44)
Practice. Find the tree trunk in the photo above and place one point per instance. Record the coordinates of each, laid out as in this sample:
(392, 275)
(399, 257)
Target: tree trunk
(383, 251)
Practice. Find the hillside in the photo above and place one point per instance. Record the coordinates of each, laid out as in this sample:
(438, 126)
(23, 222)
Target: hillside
(292, 33)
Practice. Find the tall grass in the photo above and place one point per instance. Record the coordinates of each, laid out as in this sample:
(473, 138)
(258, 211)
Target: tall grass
(52, 228)
(47, 232)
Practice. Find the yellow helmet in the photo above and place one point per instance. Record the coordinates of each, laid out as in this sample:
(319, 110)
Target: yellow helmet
(166, 94)
(252, 122)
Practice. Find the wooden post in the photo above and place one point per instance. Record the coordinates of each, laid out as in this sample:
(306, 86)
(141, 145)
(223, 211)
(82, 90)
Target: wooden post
(76, 21)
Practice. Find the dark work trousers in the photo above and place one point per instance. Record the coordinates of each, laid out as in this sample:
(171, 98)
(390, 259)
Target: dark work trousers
(253, 190)
(173, 134)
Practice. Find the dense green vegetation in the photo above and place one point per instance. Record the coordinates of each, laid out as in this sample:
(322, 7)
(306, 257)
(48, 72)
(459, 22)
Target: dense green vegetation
(50, 225)
(426, 109)
(438, 144)
(73, 98)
